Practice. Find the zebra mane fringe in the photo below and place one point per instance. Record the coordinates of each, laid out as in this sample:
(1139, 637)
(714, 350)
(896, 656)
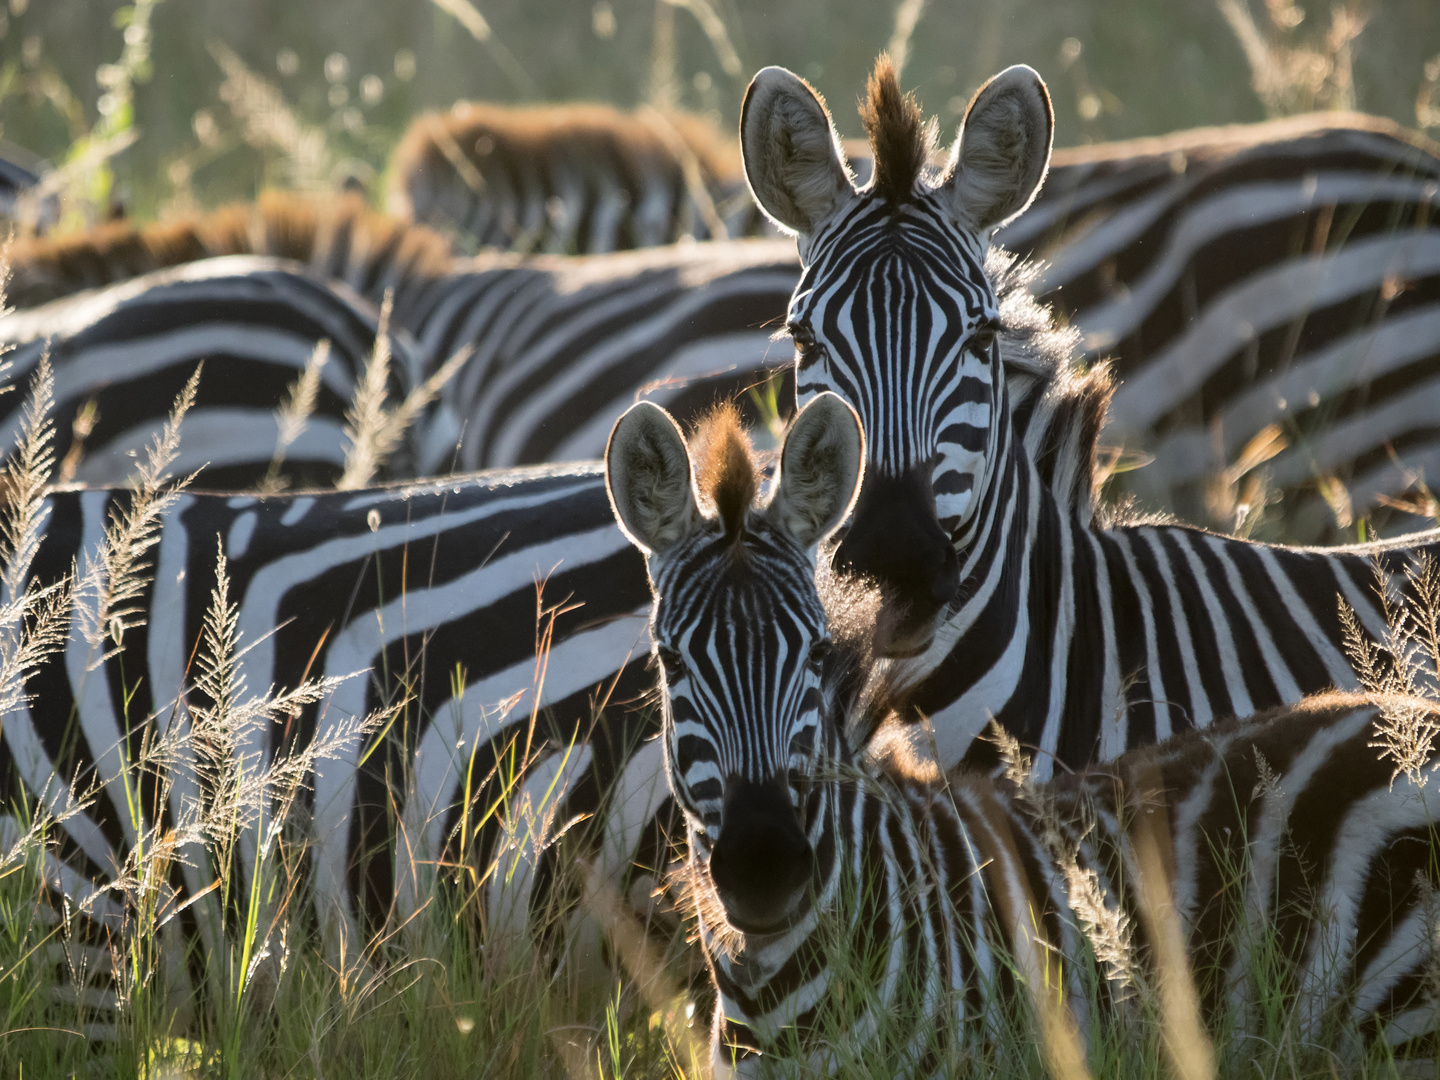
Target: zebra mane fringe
(1056, 406)
(337, 236)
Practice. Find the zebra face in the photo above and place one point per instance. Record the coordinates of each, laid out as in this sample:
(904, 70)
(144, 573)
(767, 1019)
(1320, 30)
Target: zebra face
(740, 634)
(895, 314)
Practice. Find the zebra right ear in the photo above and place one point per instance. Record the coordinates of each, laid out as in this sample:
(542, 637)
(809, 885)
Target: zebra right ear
(793, 160)
(648, 478)
(820, 468)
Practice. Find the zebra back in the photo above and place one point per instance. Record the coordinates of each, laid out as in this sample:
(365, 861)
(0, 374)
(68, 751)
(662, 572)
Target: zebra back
(335, 236)
(1268, 277)
(569, 179)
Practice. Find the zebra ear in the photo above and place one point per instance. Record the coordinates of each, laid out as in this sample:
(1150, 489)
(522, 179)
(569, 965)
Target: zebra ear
(793, 160)
(1003, 150)
(648, 478)
(820, 469)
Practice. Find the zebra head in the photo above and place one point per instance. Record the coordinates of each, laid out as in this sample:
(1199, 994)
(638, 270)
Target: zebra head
(894, 312)
(740, 633)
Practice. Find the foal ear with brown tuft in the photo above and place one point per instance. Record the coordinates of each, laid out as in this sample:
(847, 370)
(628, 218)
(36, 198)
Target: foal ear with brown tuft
(1003, 150)
(648, 478)
(793, 161)
(820, 468)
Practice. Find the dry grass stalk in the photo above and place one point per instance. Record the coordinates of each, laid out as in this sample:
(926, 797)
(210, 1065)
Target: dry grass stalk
(1404, 667)
(1186, 1043)
(269, 124)
(294, 414)
(375, 431)
(115, 577)
(660, 124)
(1291, 75)
(907, 17)
(466, 14)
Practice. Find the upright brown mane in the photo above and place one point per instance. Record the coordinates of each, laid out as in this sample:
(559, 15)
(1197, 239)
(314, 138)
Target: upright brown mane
(335, 235)
(725, 467)
(899, 138)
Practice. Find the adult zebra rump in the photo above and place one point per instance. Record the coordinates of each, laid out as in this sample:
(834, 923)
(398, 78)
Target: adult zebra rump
(1286, 831)
(1081, 638)
(121, 354)
(436, 595)
(1282, 273)
(550, 350)
(582, 179)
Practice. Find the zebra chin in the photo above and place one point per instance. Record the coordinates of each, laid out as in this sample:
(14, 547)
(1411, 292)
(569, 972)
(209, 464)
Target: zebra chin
(761, 864)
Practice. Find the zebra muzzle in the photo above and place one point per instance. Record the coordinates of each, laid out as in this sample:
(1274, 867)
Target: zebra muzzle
(896, 539)
(761, 862)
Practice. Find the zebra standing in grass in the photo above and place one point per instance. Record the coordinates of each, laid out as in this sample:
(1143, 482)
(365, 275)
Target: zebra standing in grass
(580, 179)
(939, 892)
(1082, 638)
(1285, 273)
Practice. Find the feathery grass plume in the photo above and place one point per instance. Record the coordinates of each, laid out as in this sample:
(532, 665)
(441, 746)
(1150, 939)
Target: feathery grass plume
(375, 431)
(270, 124)
(34, 617)
(1404, 668)
(1291, 75)
(365, 419)
(234, 805)
(115, 576)
(294, 414)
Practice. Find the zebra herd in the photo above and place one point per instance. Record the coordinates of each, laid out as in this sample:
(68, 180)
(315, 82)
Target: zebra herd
(1007, 590)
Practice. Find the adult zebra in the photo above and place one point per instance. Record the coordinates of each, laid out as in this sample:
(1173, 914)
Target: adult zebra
(554, 349)
(579, 179)
(1003, 601)
(122, 353)
(1285, 273)
(842, 896)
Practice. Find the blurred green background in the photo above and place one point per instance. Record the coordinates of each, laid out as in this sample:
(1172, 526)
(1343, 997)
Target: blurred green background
(352, 73)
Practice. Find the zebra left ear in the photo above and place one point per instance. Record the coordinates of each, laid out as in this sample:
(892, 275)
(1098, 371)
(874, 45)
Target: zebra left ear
(1003, 150)
(820, 468)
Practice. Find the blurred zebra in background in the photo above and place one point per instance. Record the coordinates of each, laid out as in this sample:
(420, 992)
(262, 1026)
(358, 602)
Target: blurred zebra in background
(570, 179)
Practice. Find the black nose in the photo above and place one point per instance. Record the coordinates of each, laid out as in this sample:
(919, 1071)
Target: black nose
(761, 858)
(896, 538)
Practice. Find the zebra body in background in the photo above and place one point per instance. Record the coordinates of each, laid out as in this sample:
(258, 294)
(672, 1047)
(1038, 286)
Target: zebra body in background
(121, 354)
(581, 179)
(1081, 638)
(802, 846)
(1285, 273)
(554, 348)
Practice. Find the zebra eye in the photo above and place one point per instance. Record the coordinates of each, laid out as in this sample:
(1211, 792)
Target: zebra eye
(805, 343)
(819, 652)
(983, 339)
(671, 662)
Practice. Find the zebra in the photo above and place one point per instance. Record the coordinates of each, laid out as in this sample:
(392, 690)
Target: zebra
(1262, 274)
(801, 841)
(578, 179)
(438, 594)
(122, 353)
(537, 357)
(1000, 599)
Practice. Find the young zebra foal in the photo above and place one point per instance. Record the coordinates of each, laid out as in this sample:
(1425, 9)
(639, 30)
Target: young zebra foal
(1282, 835)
